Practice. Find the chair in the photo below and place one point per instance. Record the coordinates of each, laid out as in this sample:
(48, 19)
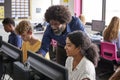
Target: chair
(109, 53)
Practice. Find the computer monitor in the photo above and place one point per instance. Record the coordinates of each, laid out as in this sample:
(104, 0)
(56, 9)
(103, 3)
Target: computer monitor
(11, 51)
(0, 41)
(10, 54)
(49, 69)
(98, 25)
(20, 72)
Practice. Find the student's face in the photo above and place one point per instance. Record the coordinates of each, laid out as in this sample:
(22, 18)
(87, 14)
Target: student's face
(7, 27)
(57, 27)
(25, 36)
(70, 48)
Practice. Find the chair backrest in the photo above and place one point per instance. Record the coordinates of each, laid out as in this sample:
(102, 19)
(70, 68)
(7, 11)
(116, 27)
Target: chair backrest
(109, 51)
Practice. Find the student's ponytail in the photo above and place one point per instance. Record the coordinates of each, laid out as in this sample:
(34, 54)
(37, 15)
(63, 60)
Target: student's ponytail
(92, 53)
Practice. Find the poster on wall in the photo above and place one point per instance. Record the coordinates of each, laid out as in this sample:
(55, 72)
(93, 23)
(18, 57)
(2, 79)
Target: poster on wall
(66, 1)
(1, 1)
(1, 12)
(38, 10)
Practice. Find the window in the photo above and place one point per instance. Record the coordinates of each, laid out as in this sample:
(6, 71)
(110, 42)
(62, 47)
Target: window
(112, 9)
(92, 9)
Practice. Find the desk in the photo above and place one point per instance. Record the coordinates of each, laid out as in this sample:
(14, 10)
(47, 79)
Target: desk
(96, 39)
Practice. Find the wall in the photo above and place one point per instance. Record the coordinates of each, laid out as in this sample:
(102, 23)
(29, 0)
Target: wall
(43, 5)
(70, 5)
(39, 4)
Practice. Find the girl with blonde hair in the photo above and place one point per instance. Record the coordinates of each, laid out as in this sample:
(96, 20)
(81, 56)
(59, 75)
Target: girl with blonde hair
(112, 32)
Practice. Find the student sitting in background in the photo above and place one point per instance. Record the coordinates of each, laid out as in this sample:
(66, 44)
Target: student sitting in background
(82, 56)
(24, 29)
(82, 18)
(9, 26)
(112, 32)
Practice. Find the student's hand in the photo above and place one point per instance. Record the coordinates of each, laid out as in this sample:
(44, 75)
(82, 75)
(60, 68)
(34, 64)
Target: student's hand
(40, 54)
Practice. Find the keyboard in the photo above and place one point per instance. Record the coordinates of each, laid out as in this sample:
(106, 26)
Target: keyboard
(96, 37)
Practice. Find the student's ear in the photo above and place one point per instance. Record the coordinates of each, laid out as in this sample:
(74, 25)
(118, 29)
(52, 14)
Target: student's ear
(79, 48)
(10, 25)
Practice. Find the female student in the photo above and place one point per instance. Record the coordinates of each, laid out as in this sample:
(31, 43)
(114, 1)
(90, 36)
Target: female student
(82, 56)
(112, 32)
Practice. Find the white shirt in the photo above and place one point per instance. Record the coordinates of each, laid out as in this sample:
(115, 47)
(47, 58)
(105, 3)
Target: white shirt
(85, 69)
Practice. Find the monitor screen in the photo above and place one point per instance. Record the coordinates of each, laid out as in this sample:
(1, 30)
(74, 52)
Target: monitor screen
(51, 70)
(98, 25)
(11, 51)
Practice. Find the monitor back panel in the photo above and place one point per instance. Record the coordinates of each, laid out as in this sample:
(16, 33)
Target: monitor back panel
(20, 72)
(98, 25)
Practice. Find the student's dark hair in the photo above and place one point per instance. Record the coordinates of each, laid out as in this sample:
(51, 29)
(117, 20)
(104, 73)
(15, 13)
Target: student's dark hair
(59, 13)
(8, 21)
(88, 49)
